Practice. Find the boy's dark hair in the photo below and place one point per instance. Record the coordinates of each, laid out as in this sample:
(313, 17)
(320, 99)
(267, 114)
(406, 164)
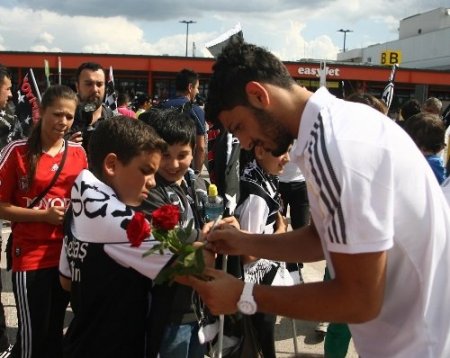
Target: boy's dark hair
(4, 73)
(427, 131)
(238, 64)
(123, 98)
(410, 108)
(172, 125)
(124, 137)
(92, 66)
(141, 99)
(184, 78)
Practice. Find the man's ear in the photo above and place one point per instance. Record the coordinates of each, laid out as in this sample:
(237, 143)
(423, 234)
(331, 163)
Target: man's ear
(257, 95)
(259, 152)
(110, 164)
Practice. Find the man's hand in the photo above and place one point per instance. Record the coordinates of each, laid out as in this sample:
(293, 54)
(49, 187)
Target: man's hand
(226, 239)
(76, 137)
(220, 293)
(209, 256)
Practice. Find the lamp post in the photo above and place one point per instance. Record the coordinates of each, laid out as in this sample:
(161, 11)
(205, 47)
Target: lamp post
(187, 22)
(345, 36)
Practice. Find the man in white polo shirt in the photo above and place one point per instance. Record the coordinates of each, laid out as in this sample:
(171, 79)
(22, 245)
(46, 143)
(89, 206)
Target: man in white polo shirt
(379, 217)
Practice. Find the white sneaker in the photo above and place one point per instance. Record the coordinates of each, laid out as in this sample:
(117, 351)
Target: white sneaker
(321, 328)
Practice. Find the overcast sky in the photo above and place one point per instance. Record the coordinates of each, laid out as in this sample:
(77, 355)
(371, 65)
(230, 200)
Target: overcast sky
(292, 29)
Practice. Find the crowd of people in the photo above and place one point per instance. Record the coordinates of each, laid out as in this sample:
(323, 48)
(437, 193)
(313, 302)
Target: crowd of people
(363, 194)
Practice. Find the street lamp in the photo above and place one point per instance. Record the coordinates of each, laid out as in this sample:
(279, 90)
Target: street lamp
(345, 36)
(187, 22)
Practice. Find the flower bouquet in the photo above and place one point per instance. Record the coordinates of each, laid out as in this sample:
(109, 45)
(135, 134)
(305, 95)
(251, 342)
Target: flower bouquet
(165, 229)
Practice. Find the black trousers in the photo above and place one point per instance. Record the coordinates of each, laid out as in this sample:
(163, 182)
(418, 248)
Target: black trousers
(4, 342)
(265, 332)
(295, 196)
(41, 306)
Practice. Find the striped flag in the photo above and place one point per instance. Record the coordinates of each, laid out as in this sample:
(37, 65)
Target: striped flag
(111, 98)
(388, 93)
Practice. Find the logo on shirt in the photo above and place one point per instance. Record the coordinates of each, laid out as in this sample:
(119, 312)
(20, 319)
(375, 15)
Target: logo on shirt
(46, 203)
(23, 183)
(55, 167)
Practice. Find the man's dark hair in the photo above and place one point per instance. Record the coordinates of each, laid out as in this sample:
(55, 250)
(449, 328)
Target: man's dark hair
(4, 73)
(427, 130)
(410, 108)
(173, 126)
(370, 100)
(238, 64)
(124, 137)
(184, 78)
(92, 66)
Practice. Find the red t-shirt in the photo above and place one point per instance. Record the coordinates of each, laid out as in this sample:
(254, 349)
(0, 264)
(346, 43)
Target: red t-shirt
(37, 245)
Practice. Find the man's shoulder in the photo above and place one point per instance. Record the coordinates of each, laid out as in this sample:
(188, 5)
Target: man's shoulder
(174, 102)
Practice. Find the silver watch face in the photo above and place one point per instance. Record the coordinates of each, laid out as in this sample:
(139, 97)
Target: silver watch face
(247, 307)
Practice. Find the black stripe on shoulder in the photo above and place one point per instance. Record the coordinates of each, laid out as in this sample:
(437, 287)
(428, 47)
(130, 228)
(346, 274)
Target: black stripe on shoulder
(326, 180)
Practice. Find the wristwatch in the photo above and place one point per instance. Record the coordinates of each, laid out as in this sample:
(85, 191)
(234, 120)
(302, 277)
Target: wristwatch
(246, 303)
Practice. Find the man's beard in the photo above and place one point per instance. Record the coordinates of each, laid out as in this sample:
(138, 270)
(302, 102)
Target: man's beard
(93, 100)
(276, 131)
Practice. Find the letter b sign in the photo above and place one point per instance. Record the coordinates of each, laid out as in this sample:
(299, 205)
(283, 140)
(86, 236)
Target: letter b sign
(391, 57)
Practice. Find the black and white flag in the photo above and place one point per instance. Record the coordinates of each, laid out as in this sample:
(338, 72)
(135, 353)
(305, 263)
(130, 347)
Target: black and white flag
(111, 97)
(388, 93)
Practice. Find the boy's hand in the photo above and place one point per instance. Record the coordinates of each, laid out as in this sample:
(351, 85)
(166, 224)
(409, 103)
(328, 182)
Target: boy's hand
(281, 223)
(229, 220)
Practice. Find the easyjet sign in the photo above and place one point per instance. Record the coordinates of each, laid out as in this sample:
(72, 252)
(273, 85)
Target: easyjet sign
(314, 71)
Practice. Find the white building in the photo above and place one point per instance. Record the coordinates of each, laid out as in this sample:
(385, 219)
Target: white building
(424, 42)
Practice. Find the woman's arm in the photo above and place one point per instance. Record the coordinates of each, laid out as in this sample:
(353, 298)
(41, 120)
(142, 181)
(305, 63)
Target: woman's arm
(53, 215)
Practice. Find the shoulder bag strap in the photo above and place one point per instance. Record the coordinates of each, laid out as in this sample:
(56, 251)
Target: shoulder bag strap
(54, 179)
(8, 248)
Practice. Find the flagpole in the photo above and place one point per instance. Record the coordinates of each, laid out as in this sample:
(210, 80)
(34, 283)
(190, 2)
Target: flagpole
(33, 79)
(59, 70)
(222, 317)
(47, 72)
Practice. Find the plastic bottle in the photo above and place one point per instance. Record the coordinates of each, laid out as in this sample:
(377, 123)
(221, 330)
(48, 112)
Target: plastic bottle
(214, 204)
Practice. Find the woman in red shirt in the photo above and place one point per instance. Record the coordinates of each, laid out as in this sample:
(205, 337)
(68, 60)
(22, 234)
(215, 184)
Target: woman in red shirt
(26, 169)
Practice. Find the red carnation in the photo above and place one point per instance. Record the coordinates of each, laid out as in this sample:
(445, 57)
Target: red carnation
(166, 217)
(138, 229)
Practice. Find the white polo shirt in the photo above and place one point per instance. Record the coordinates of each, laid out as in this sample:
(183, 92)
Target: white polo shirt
(371, 190)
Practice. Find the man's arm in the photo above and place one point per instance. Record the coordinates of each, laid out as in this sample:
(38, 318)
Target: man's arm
(200, 152)
(355, 295)
(302, 245)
